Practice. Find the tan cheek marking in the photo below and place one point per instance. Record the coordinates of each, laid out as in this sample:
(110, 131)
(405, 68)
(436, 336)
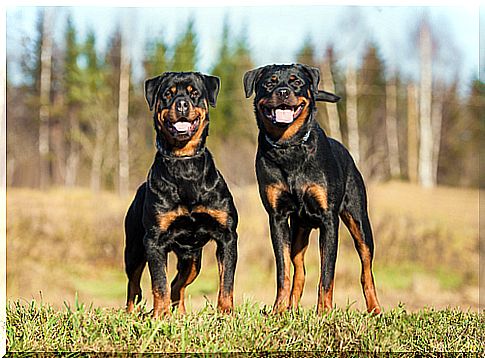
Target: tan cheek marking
(319, 193)
(166, 219)
(274, 191)
(219, 215)
(296, 125)
(162, 115)
(191, 146)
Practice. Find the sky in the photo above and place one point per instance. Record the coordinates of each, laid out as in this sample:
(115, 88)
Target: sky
(276, 33)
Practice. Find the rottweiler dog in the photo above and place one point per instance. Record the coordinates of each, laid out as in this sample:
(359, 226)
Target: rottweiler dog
(184, 202)
(306, 181)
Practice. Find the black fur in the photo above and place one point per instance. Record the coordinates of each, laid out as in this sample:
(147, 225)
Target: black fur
(306, 181)
(185, 201)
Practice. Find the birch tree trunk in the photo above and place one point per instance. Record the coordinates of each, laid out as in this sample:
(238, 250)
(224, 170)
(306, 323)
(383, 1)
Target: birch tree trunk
(97, 158)
(73, 156)
(412, 134)
(391, 128)
(425, 127)
(331, 108)
(352, 121)
(45, 88)
(124, 169)
(436, 121)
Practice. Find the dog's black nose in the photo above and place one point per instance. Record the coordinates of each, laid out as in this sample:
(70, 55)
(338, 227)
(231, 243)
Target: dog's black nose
(182, 106)
(283, 93)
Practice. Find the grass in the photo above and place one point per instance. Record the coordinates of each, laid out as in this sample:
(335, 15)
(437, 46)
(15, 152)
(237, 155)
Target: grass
(67, 246)
(63, 242)
(36, 326)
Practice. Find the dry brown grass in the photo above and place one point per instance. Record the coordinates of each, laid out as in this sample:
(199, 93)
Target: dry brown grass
(65, 241)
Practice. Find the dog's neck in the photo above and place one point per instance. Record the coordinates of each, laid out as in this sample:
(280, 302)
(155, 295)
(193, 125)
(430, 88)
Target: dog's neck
(168, 151)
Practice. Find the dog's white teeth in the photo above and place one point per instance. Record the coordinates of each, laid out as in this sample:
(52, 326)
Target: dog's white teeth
(284, 115)
(182, 126)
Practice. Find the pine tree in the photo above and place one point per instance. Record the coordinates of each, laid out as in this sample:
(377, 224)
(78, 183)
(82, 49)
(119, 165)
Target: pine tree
(156, 58)
(306, 55)
(73, 100)
(221, 120)
(185, 52)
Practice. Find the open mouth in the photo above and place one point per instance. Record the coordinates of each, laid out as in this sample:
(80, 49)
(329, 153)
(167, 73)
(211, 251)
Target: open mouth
(182, 128)
(283, 114)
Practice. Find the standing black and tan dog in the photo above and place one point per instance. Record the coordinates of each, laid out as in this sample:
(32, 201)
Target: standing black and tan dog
(306, 180)
(185, 201)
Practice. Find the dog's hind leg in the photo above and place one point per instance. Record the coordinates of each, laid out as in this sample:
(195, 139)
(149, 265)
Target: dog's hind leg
(135, 259)
(355, 217)
(134, 295)
(328, 242)
(188, 269)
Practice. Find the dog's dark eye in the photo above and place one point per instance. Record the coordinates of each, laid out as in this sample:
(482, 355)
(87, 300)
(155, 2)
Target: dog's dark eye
(297, 82)
(167, 94)
(269, 84)
(194, 94)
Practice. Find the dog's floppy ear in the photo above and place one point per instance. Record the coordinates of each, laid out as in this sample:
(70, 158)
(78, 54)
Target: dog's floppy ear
(249, 80)
(212, 84)
(151, 88)
(324, 96)
(314, 74)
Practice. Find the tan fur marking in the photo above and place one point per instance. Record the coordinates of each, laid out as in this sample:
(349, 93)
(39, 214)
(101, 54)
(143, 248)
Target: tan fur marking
(166, 219)
(274, 191)
(298, 249)
(224, 300)
(161, 301)
(293, 128)
(134, 287)
(191, 146)
(288, 132)
(162, 116)
(319, 193)
(282, 302)
(178, 291)
(219, 215)
(366, 278)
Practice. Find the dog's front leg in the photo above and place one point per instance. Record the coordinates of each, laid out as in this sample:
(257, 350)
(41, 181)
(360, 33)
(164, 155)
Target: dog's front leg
(226, 259)
(280, 237)
(157, 264)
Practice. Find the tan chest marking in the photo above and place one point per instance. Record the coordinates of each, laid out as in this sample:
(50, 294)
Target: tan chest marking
(274, 191)
(167, 218)
(318, 192)
(218, 215)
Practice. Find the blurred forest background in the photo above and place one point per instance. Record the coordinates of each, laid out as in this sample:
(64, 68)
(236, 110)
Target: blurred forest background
(81, 139)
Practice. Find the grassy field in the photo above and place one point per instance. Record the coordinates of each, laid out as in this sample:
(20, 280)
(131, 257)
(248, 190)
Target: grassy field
(64, 242)
(40, 327)
(66, 246)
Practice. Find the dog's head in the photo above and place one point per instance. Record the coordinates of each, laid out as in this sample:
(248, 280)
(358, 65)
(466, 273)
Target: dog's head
(285, 97)
(180, 102)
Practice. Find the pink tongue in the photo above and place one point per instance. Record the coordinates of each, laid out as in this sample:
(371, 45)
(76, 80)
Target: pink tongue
(182, 126)
(284, 115)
